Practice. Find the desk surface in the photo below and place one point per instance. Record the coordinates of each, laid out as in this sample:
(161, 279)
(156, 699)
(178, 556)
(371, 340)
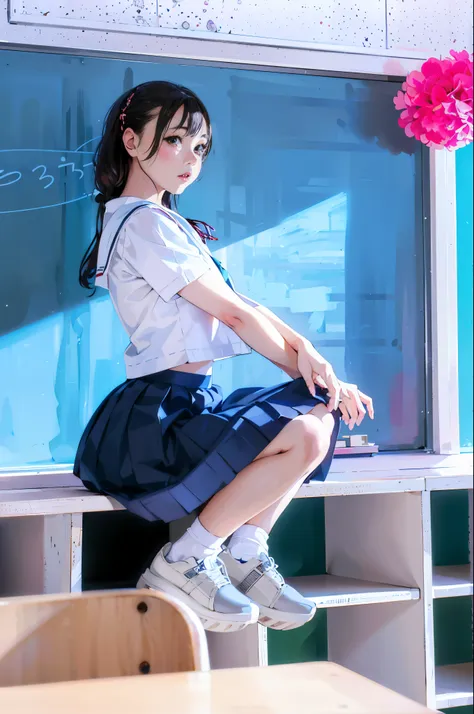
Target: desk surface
(315, 688)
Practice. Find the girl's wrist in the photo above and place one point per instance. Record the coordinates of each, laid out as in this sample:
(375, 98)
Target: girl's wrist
(299, 343)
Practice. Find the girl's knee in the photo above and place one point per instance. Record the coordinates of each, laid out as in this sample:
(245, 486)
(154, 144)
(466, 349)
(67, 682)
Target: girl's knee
(313, 438)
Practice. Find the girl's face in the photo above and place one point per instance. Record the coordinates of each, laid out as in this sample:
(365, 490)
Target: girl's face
(178, 161)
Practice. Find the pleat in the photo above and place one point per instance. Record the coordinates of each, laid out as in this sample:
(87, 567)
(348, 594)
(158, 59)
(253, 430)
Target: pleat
(149, 457)
(163, 449)
(87, 459)
(92, 421)
(114, 446)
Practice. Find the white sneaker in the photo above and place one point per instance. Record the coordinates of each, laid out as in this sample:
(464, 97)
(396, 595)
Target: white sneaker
(205, 587)
(281, 606)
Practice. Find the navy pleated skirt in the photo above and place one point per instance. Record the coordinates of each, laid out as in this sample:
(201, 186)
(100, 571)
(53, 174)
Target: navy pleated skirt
(164, 444)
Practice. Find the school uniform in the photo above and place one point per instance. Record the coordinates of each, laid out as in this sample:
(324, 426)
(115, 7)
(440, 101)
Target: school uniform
(164, 442)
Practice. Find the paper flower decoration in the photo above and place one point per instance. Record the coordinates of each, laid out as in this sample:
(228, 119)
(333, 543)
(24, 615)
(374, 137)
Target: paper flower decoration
(436, 103)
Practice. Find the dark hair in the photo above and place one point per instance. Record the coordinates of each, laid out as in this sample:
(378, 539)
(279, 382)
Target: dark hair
(134, 109)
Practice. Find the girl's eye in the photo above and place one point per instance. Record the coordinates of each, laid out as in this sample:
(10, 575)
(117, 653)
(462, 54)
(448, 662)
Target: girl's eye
(201, 149)
(173, 140)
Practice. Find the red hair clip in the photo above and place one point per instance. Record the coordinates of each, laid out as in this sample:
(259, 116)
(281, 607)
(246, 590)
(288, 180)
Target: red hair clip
(123, 115)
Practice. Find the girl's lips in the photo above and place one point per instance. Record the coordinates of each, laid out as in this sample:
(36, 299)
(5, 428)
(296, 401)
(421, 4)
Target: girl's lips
(185, 176)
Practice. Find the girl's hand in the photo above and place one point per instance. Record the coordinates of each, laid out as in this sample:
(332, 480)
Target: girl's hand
(316, 370)
(352, 405)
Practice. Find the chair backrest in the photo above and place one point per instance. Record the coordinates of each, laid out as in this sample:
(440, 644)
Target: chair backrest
(56, 638)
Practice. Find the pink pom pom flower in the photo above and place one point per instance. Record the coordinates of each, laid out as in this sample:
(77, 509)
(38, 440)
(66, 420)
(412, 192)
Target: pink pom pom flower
(436, 103)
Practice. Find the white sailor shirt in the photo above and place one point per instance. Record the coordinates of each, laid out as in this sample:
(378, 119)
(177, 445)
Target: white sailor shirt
(144, 260)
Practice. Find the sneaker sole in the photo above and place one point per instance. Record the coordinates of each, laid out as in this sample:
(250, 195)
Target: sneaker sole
(211, 621)
(276, 620)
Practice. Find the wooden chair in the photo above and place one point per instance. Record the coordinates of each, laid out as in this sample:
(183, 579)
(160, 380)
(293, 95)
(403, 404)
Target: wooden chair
(57, 638)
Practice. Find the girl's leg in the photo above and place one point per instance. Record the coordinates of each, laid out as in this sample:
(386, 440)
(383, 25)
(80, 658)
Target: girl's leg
(251, 539)
(189, 569)
(261, 491)
(247, 561)
(267, 518)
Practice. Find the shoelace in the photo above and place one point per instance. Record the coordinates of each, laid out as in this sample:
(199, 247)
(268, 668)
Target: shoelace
(269, 564)
(214, 570)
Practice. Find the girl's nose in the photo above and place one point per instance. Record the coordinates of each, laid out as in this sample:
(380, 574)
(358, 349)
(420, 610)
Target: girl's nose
(191, 158)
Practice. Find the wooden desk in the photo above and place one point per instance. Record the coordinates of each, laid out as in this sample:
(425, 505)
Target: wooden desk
(316, 688)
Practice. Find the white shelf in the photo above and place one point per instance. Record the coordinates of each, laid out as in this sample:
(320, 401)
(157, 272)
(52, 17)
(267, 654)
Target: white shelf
(454, 686)
(358, 475)
(452, 581)
(335, 591)
(362, 484)
(53, 501)
(449, 480)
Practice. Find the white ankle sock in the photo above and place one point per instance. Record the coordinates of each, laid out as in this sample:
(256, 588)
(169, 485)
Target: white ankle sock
(248, 542)
(197, 542)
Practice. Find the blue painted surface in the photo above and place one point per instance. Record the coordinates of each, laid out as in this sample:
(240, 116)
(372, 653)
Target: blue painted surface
(314, 191)
(465, 264)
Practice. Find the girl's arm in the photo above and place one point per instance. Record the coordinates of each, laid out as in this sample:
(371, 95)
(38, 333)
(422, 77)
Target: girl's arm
(272, 338)
(293, 338)
(310, 362)
(211, 294)
(352, 399)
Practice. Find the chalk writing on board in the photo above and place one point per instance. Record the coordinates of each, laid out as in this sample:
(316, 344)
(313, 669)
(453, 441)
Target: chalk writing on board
(36, 179)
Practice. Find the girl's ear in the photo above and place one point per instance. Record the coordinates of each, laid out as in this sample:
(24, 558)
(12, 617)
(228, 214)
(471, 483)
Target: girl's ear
(130, 141)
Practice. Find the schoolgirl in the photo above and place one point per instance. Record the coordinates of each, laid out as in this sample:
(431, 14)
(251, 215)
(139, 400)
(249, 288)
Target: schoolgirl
(165, 443)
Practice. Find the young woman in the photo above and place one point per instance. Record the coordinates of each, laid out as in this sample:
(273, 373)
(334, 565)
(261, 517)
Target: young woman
(165, 443)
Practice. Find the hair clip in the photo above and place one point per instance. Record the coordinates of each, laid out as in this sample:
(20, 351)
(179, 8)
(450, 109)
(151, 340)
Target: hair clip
(123, 115)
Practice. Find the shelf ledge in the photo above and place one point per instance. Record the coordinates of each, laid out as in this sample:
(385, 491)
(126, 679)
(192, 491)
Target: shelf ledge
(335, 591)
(53, 501)
(452, 581)
(454, 686)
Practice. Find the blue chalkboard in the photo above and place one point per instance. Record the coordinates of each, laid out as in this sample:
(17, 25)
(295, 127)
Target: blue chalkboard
(314, 191)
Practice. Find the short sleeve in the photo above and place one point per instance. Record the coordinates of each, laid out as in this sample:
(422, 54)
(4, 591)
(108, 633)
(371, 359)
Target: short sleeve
(161, 252)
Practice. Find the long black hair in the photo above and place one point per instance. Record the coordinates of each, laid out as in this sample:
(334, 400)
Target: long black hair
(135, 109)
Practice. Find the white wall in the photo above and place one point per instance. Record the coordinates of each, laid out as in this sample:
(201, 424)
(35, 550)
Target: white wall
(429, 26)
